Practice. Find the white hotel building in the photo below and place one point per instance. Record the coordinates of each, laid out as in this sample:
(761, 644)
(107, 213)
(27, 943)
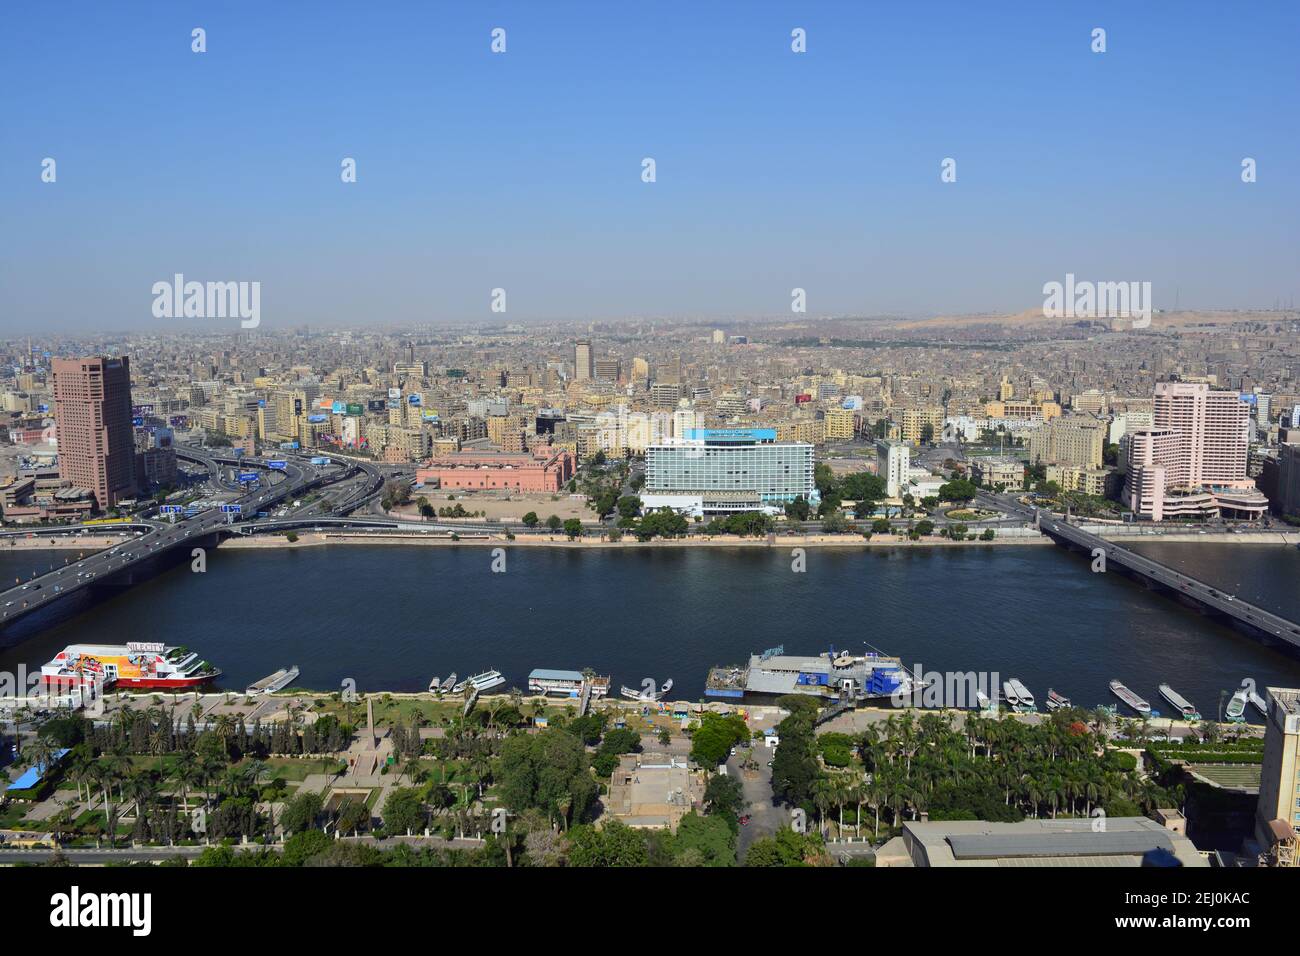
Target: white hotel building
(719, 471)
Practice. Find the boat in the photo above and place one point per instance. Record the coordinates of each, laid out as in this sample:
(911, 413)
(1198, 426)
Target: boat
(1181, 703)
(862, 678)
(134, 664)
(982, 701)
(448, 684)
(646, 697)
(1056, 701)
(1010, 696)
(435, 685)
(1130, 698)
(277, 681)
(1027, 702)
(480, 682)
(543, 680)
(1236, 710)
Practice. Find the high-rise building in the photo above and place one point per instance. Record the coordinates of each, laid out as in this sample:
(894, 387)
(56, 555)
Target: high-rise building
(726, 471)
(1192, 462)
(92, 411)
(893, 459)
(582, 367)
(1071, 440)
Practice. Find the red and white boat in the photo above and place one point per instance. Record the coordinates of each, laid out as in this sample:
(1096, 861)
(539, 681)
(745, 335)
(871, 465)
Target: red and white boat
(134, 664)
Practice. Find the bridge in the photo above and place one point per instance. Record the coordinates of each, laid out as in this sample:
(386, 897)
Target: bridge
(158, 543)
(1270, 628)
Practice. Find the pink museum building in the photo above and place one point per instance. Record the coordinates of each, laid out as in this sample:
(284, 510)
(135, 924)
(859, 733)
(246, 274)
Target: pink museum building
(546, 469)
(1192, 461)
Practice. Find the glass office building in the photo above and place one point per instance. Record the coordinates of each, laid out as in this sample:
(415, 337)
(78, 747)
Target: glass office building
(728, 470)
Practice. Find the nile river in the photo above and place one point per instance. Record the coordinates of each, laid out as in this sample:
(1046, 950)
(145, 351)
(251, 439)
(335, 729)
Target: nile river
(391, 617)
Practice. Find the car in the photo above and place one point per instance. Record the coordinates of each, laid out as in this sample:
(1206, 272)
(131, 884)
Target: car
(9, 603)
(744, 820)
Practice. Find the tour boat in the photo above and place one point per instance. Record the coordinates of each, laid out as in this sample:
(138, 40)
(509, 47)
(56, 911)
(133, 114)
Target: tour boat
(134, 664)
(480, 682)
(448, 684)
(435, 684)
(1181, 703)
(1130, 698)
(1236, 711)
(1056, 701)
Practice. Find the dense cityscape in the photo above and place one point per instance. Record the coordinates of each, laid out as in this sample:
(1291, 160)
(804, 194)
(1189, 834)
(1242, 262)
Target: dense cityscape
(698, 438)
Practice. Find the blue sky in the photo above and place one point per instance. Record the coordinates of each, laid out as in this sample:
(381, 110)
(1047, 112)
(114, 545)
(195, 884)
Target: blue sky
(522, 171)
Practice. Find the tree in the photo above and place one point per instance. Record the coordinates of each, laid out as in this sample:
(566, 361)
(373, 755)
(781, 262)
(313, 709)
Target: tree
(799, 509)
(724, 797)
(959, 489)
(712, 741)
(629, 506)
(547, 771)
(404, 811)
(573, 528)
(531, 520)
(554, 522)
(615, 844)
(924, 527)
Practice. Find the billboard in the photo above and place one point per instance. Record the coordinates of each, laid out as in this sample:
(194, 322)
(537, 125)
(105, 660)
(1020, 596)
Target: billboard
(395, 393)
(354, 410)
(317, 419)
(339, 408)
(277, 465)
(249, 476)
(377, 405)
(415, 399)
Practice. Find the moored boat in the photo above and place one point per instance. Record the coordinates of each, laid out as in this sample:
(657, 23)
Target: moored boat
(1181, 703)
(134, 664)
(277, 681)
(1056, 701)
(1027, 702)
(435, 685)
(480, 682)
(1236, 709)
(1130, 698)
(448, 684)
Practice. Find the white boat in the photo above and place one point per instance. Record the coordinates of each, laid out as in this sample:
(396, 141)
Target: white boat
(982, 700)
(1009, 695)
(1181, 703)
(434, 685)
(1130, 698)
(277, 681)
(1236, 710)
(448, 684)
(1056, 701)
(480, 682)
(1027, 701)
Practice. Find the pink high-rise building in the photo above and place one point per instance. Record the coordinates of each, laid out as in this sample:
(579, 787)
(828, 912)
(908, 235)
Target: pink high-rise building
(1192, 461)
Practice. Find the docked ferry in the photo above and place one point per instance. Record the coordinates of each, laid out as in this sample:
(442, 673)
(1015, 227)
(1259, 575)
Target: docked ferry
(480, 682)
(1181, 703)
(134, 664)
(1056, 701)
(545, 680)
(1130, 698)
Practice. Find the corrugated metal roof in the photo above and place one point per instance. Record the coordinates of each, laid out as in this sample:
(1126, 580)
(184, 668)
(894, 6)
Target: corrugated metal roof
(987, 846)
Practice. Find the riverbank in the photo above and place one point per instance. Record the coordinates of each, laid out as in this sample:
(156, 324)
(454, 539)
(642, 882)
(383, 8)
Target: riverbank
(311, 539)
(442, 539)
